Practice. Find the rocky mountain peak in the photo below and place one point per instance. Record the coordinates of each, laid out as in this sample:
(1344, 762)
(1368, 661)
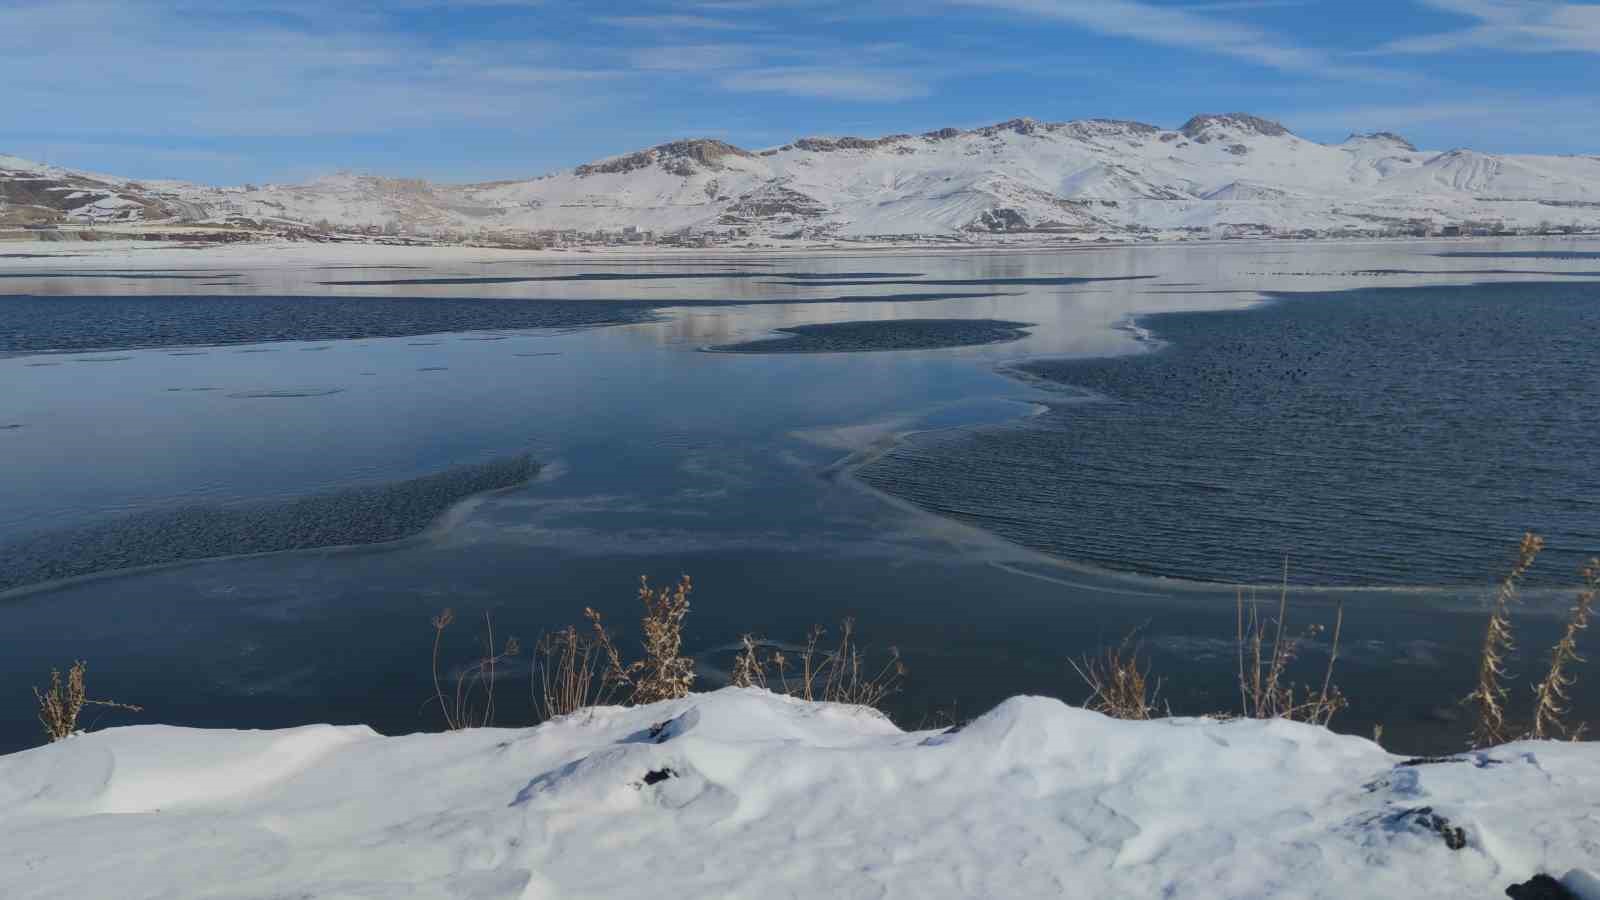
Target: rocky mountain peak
(1382, 137)
(1207, 126)
(677, 157)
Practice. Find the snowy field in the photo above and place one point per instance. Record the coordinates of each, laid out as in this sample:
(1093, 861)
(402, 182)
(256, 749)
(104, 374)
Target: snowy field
(741, 793)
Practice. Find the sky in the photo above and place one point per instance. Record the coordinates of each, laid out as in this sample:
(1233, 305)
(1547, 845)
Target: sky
(239, 91)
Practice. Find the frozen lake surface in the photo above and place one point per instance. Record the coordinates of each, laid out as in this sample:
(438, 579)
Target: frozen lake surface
(1385, 379)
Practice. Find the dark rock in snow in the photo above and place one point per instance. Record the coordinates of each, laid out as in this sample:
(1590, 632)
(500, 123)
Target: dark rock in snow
(1540, 887)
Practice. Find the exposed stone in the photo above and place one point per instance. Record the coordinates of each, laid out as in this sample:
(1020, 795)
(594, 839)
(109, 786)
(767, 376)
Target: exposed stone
(1204, 123)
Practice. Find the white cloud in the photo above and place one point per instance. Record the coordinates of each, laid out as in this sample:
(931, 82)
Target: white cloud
(1176, 26)
(830, 82)
(1527, 26)
(673, 21)
(693, 57)
(1553, 123)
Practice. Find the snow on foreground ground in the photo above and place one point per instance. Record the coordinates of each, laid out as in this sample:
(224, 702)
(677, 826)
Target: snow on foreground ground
(746, 794)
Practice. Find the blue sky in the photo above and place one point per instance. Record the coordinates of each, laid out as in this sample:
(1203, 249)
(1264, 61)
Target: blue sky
(230, 91)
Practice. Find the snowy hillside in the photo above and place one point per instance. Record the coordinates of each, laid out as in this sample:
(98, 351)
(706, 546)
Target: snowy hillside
(1230, 172)
(741, 793)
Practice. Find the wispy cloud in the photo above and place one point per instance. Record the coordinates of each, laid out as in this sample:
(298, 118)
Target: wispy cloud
(1189, 29)
(830, 82)
(1526, 26)
(693, 57)
(679, 22)
(1553, 122)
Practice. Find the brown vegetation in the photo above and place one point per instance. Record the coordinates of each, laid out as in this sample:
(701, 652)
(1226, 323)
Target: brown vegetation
(61, 704)
(1490, 695)
(839, 675)
(1118, 685)
(1264, 691)
(1551, 694)
(460, 708)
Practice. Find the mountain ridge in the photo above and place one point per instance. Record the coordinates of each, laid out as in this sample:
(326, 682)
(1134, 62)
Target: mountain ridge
(1233, 173)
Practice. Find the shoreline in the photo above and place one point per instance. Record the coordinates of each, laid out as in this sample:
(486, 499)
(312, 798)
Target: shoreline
(101, 250)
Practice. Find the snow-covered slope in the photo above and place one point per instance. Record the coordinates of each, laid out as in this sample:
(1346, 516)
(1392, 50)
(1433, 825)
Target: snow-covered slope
(741, 793)
(1094, 176)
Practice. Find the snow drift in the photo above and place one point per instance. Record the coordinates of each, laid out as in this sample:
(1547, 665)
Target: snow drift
(741, 793)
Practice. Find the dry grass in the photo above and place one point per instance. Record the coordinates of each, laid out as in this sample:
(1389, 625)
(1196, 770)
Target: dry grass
(572, 671)
(663, 674)
(471, 703)
(1490, 694)
(61, 704)
(1264, 690)
(1550, 709)
(1119, 687)
(837, 675)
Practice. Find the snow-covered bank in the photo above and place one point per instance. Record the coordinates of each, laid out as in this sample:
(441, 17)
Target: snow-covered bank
(741, 793)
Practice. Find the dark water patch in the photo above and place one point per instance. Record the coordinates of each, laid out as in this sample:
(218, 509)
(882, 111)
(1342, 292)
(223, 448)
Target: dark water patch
(189, 353)
(1371, 273)
(10, 426)
(1147, 293)
(424, 343)
(41, 365)
(38, 255)
(260, 350)
(434, 369)
(485, 337)
(286, 393)
(441, 280)
(616, 276)
(101, 359)
(956, 282)
(125, 276)
(35, 323)
(363, 515)
(1520, 254)
(31, 323)
(312, 349)
(896, 334)
(1402, 436)
(546, 353)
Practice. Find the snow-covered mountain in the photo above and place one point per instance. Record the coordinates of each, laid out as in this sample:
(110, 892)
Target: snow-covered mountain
(1095, 176)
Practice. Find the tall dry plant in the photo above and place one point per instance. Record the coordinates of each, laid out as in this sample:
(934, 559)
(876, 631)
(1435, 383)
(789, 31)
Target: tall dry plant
(572, 671)
(841, 674)
(1550, 710)
(461, 707)
(1118, 686)
(1264, 689)
(663, 674)
(1490, 695)
(61, 704)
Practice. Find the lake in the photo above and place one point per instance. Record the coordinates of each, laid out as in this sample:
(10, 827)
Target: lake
(239, 484)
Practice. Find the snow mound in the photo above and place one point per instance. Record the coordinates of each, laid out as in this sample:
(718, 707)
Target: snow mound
(741, 793)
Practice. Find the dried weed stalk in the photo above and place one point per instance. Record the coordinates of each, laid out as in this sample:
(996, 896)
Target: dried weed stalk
(460, 708)
(1264, 691)
(1550, 709)
(1118, 686)
(1490, 695)
(61, 704)
(838, 675)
